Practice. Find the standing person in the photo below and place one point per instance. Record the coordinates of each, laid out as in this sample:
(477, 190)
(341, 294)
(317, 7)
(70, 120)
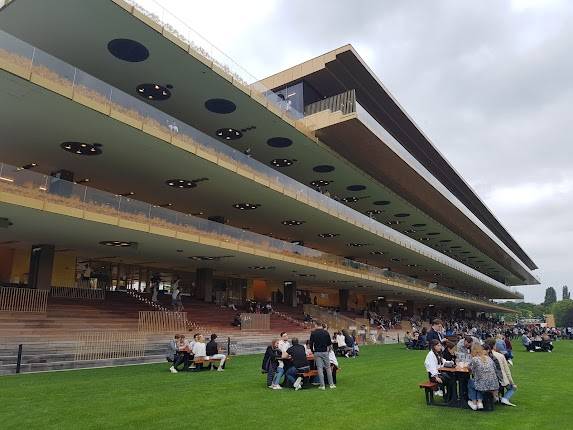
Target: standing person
(321, 345)
(155, 287)
(271, 363)
(212, 350)
(175, 292)
(435, 332)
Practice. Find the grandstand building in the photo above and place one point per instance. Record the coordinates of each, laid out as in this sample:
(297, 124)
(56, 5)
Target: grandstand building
(132, 147)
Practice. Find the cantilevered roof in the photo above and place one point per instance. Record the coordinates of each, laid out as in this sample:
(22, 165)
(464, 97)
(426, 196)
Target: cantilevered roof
(342, 69)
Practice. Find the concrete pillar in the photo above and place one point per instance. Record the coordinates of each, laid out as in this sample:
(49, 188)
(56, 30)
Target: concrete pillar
(343, 299)
(290, 294)
(204, 282)
(41, 266)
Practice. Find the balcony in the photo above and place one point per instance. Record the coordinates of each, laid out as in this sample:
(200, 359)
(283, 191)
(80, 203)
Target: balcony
(40, 191)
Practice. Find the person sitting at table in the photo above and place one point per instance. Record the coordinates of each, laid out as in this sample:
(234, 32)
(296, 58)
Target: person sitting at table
(297, 355)
(464, 349)
(449, 352)
(484, 377)
(212, 350)
(176, 356)
(271, 363)
(506, 380)
(432, 363)
(199, 349)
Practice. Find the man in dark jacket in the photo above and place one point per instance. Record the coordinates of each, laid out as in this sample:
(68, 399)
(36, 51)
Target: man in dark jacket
(212, 351)
(435, 332)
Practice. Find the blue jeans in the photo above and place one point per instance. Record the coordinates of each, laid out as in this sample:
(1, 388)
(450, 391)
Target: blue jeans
(278, 375)
(509, 391)
(473, 394)
(508, 355)
(291, 374)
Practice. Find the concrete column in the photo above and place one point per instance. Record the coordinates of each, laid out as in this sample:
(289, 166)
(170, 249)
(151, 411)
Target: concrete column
(290, 294)
(343, 299)
(41, 266)
(204, 282)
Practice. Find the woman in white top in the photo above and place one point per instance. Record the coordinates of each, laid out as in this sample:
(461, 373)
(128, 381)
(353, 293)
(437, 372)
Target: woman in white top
(432, 364)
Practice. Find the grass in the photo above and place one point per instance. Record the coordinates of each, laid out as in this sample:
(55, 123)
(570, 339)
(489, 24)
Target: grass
(378, 390)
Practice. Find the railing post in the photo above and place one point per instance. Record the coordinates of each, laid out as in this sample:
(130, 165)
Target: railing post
(19, 360)
(228, 346)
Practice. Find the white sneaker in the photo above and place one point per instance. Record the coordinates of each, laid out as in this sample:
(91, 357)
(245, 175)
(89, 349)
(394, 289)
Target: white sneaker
(173, 369)
(297, 382)
(480, 404)
(510, 361)
(322, 387)
(220, 369)
(277, 387)
(297, 386)
(439, 393)
(333, 386)
(531, 350)
(472, 405)
(506, 402)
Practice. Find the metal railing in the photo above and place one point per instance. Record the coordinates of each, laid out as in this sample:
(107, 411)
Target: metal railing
(77, 293)
(23, 300)
(162, 322)
(344, 102)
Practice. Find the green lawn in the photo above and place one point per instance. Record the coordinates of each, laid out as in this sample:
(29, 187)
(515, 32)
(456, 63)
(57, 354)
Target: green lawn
(378, 390)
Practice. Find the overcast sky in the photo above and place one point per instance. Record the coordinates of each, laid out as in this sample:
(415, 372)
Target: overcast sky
(490, 82)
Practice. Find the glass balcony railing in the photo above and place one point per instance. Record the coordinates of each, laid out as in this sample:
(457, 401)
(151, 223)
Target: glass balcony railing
(31, 63)
(29, 184)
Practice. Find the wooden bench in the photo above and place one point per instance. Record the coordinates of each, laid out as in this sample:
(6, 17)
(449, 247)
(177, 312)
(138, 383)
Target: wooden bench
(204, 360)
(429, 388)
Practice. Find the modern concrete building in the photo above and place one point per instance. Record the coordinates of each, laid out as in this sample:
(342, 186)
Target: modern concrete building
(131, 146)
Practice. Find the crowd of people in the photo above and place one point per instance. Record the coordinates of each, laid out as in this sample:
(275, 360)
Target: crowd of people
(194, 354)
(488, 361)
(286, 361)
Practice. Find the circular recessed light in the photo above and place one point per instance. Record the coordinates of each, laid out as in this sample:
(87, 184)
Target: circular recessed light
(433, 233)
(356, 187)
(425, 239)
(118, 243)
(320, 183)
(377, 252)
(402, 215)
(349, 199)
(282, 162)
(418, 225)
(323, 168)
(222, 106)
(445, 240)
(279, 142)
(153, 91)
(81, 148)
(128, 50)
(181, 183)
(229, 134)
(412, 265)
(246, 206)
(373, 212)
(357, 244)
(394, 222)
(381, 203)
(262, 267)
(410, 231)
(292, 222)
(327, 235)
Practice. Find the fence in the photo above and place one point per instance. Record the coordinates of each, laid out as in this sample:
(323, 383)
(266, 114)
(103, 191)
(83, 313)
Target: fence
(109, 344)
(344, 102)
(77, 293)
(23, 300)
(255, 322)
(161, 322)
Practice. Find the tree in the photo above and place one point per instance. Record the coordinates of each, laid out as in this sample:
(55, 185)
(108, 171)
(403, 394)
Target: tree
(566, 293)
(550, 296)
(563, 312)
